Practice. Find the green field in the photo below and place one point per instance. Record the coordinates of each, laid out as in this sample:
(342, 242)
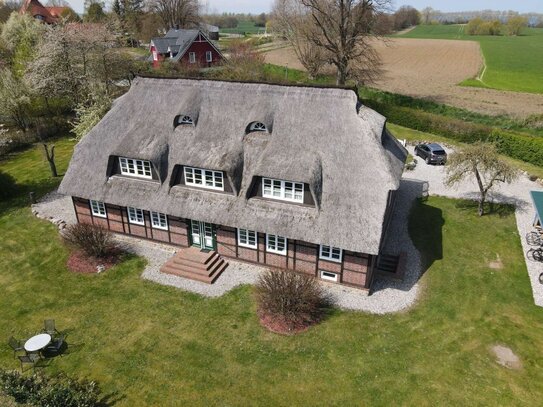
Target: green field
(512, 63)
(148, 344)
(247, 27)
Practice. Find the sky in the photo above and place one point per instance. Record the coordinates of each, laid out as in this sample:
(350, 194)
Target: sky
(259, 6)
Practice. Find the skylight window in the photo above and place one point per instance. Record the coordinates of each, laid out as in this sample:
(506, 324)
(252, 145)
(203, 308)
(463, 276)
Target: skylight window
(183, 119)
(257, 126)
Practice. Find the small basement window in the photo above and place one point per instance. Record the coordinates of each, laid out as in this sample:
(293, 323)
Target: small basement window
(257, 126)
(326, 275)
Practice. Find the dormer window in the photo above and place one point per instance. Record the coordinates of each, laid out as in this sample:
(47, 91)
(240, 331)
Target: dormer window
(135, 168)
(202, 178)
(183, 119)
(257, 126)
(283, 190)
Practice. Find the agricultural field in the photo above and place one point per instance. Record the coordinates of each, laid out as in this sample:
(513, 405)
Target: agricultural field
(432, 69)
(244, 27)
(511, 63)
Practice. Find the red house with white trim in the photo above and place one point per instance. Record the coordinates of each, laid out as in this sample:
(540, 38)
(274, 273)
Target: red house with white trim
(185, 46)
(49, 15)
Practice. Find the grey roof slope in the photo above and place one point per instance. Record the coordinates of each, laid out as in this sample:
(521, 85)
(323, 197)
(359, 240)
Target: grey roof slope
(317, 135)
(179, 41)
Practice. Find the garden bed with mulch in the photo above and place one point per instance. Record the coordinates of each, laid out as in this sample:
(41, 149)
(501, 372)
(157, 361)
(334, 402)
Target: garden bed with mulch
(279, 325)
(80, 262)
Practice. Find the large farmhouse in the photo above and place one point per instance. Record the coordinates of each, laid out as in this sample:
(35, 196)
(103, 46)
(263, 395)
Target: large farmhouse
(295, 177)
(185, 46)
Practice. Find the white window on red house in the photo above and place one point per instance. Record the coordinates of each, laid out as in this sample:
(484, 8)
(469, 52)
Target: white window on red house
(98, 209)
(159, 220)
(276, 244)
(209, 56)
(330, 253)
(192, 57)
(135, 216)
(247, 238)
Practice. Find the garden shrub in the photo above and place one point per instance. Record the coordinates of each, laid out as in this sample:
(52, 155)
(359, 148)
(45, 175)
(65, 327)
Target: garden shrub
(54, 391)
(94, 240)
(519, 146)
(294, 299)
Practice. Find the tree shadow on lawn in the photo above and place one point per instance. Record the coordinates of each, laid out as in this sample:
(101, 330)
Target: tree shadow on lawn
(490, 208)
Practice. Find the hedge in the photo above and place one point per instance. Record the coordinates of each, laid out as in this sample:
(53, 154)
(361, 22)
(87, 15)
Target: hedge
(519, 146)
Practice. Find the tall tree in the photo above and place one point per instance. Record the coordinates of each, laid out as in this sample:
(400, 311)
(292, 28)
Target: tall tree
(345, 30)
(173, 13)
(14, 99)
(480, 160)
(94, 13)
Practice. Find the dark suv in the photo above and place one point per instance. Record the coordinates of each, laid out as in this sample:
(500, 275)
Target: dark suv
(432, 153)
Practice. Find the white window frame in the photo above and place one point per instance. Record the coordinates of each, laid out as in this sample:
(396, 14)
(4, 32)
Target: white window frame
(257, 126)
(208, 179)
(159, 220)
(283, 190)
(244, 238)
(135, 168)
(209, 56)
(192, 57)
(327, 253)
(98, 209)
(134, 215)
(184, 120)
(330, 277)
(275, 242)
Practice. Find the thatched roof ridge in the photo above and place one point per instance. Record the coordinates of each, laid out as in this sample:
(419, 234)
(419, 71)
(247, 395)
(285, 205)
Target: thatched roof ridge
(317, 135)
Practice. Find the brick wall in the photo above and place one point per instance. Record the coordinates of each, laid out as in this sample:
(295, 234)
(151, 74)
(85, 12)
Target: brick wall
(355, 268)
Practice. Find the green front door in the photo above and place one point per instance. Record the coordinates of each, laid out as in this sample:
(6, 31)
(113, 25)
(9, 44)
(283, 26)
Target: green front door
(202, 234)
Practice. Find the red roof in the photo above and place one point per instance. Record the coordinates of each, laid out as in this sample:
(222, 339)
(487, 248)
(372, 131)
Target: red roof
(50, 15)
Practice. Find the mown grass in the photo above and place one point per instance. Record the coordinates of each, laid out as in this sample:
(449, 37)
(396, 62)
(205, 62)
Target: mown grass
(414, 136)
(152, 345)
(244, 27)
(512, 62)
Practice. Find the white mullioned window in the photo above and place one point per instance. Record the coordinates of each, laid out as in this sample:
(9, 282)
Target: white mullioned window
(247, 238)
(283, 190)
(135, 216)
(135, 168)
(184, 120)
(330, 253)
(204, 178)
(276, 244)
(192, 57)
(159, 220)
(257, 126)
(326, 275)
(98, 209)
(209, 56)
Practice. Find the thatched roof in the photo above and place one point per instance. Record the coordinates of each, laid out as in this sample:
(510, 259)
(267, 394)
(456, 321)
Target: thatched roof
(320, 136)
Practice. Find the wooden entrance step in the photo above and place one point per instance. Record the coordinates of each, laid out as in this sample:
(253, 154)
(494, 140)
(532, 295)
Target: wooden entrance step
(197, 264)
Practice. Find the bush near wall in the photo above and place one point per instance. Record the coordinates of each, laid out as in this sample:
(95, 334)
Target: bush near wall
(519, 146)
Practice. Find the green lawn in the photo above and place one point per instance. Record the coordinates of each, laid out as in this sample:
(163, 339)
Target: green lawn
(512, 63)
(246, 26)
(152, 345)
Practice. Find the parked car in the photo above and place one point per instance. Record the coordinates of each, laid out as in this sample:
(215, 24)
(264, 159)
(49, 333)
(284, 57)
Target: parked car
(432, 153)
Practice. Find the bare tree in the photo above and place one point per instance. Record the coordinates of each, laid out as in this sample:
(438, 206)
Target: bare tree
(482, 161)
(345, 29)
(295, 25)
(427, 14)
(174, 13)
(50, 156)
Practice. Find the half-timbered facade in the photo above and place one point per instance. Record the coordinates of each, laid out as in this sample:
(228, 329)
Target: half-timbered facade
(293, 177)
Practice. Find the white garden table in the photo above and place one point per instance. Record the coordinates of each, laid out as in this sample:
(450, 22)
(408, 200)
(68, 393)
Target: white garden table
(37, 342)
